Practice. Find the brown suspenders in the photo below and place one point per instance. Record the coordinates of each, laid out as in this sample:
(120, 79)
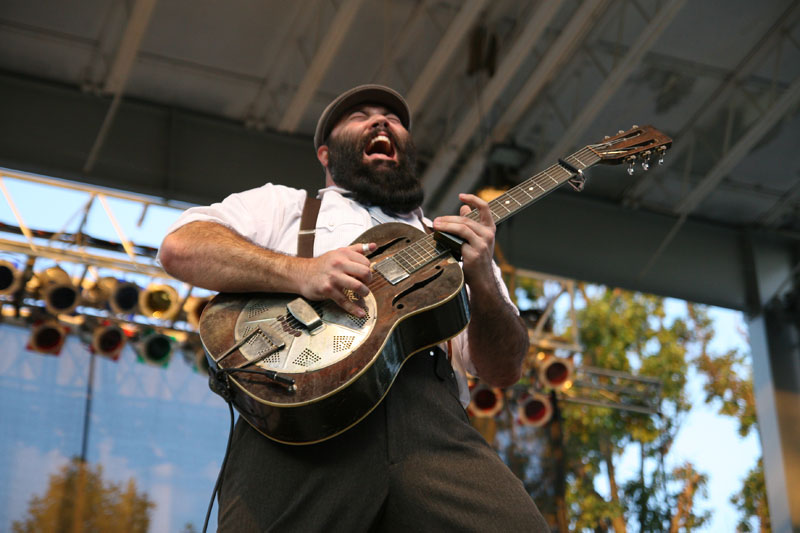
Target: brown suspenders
(308, 225)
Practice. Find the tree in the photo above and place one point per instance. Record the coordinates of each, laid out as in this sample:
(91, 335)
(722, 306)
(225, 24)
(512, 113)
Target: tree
(101, 506)
(631, 333)
(729, 382)
(751, 501)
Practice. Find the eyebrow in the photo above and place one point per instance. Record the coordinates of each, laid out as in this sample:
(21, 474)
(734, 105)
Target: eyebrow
(362, 109)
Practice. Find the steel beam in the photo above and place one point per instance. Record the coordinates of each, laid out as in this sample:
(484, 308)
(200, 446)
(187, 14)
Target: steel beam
(720, 96)
(647, 38)
(438, 169)
(564, 47)
(120, 71)
(448, 45)
(326, 52)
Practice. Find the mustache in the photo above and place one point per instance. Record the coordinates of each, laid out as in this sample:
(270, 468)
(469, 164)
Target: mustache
(378, 131)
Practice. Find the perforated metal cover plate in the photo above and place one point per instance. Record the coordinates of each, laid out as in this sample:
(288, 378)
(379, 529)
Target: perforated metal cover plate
(301, 351)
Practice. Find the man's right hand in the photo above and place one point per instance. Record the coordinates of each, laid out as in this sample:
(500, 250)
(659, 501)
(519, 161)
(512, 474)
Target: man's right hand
(331, 274)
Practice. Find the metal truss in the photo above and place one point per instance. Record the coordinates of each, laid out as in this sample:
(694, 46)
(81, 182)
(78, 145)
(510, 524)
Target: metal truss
(598, 387)
(89, 258)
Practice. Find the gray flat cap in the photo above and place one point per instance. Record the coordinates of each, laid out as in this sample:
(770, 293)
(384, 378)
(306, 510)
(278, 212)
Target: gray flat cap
(363, 94)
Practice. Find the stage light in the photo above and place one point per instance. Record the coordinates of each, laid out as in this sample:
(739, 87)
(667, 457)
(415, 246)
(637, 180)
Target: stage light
(159, 301)
(195, 356)
(108, 341)
(97, 293)
(154, 348)
(194, 308)
(485, 402)
(47, 337)
(10, 277)
(555, 372)
(124, 298)
(60, 295)
(534, 409)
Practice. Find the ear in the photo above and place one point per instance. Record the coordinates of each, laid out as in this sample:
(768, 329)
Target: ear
(322, 156)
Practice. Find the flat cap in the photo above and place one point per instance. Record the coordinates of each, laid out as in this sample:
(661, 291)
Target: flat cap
(363, 94)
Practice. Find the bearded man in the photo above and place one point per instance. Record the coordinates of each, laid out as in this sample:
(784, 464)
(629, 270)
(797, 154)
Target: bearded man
(414, 463)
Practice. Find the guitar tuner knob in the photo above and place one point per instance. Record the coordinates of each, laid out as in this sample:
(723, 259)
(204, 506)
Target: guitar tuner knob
(635, 126)
(606, 137)
(620, 132)
(630, 168)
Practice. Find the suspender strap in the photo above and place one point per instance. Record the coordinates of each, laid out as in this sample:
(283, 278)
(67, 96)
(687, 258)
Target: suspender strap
(308, 225)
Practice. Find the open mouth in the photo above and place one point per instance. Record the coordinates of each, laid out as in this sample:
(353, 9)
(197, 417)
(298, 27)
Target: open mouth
(380, 147)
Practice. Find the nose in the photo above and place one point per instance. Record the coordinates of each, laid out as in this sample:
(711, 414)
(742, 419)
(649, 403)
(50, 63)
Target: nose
(379, 120)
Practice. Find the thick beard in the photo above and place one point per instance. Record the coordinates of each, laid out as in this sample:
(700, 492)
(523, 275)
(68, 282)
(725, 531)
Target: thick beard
(391, 185)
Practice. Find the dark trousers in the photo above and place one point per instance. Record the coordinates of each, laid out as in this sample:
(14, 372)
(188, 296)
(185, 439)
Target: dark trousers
(413, 464)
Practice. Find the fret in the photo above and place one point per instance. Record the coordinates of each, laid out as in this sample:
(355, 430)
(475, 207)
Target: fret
(547, 173)
(403, 261)
(500, 204)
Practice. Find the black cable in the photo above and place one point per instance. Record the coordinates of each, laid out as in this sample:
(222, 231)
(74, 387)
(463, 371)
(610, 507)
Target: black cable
(221, 470)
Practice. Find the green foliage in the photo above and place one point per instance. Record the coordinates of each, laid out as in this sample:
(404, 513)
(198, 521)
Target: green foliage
(630, 333)
(77, 499)
(751, 500)
(731, 385)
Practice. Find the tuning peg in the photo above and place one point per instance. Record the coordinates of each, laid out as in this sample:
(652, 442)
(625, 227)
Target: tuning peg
(661, 152)
(620, 132)
(606, 137)
(635, 126)
(631, 161)
(646, 160)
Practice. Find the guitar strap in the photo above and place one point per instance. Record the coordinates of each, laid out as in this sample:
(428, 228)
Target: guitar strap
(308, 225)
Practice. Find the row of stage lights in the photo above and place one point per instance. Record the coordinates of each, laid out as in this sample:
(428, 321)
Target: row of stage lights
(105, 325)
(534, 404)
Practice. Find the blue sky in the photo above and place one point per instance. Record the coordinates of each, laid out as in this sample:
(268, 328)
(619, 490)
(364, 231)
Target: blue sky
(163, 427)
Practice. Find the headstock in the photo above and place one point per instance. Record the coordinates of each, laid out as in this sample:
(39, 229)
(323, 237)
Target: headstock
(638, 143)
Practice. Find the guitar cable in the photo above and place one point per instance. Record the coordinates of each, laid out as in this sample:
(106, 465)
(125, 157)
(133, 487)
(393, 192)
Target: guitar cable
(221, 469)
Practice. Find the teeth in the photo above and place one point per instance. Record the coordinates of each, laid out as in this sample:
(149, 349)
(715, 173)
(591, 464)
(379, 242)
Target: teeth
(379, 138)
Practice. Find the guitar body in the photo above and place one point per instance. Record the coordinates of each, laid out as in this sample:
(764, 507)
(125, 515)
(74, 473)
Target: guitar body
(343, 368)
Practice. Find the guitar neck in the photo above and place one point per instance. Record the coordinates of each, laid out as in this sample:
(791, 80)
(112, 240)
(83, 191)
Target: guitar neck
(427, 249)
(534, 188)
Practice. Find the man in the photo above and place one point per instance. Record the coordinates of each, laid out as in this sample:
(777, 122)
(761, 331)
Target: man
(414, 463)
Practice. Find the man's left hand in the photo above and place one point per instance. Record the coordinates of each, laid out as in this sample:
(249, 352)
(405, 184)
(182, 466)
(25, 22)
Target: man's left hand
(478, 236)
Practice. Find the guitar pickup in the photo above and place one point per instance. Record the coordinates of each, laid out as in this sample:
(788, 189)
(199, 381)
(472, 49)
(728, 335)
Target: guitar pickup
(302, 311)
